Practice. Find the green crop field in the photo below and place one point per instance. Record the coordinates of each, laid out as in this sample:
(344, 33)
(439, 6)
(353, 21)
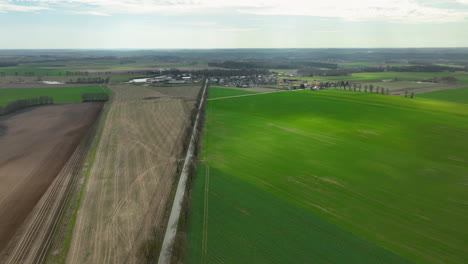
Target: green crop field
(217, 92)
(453, 95)
(357, 64)
(60, 94)
(31, 71)
(331, 177)
(378, 76)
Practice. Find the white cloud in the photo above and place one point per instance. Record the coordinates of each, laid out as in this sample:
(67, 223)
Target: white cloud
(93, 13)
(237, 29)
(399, 11)
(327, 31)
(6, 6)
(202, 23)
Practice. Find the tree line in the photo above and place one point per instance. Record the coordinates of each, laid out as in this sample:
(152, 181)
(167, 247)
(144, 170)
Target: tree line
(90, 80)
(422, 68)
(357, 87)
(217, 72)
(24, 103)
(8, 64)
(94, 97)
(272, 65)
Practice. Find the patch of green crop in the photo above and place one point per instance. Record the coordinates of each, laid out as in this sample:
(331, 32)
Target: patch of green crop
(245, 224)
(357, 64)
(217, 92)
(452, 95)
(32, 71)
(60, 94)
(289, 172)
(379, 76)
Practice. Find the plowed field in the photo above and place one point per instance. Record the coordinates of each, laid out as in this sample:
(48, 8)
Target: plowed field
(128, 195)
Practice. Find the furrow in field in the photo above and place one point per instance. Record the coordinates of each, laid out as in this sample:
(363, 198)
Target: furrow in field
(127, 196)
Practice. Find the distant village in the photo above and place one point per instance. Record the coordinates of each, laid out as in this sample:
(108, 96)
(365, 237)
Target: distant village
(244, 81)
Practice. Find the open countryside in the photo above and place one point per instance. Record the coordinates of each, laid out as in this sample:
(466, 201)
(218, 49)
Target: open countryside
(297, 156)
(452, 95)
(276, 167)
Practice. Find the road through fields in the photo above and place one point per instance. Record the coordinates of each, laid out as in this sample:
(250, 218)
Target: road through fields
(171, 231)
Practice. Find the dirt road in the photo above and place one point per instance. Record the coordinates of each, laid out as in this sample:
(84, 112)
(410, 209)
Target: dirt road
(171, 231)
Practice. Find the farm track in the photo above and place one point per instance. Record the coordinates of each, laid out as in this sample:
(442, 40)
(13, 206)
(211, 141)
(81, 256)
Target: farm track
(173, 223)
(32, 241)
(205, 215)
(234, 96)
(130, 183)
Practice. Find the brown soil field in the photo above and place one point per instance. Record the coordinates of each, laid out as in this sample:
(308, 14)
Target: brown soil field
(35, 145)
(31, 79)
(41, 85)
(126, 201)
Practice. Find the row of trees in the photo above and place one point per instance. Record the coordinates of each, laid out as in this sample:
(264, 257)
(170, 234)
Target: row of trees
(94, 97)
(422, 68)
(90, 80)
(357, 87)
(8, 64)
(271, 65)
(217, 72)
(443, 79)
(312, 71)
(24, 103)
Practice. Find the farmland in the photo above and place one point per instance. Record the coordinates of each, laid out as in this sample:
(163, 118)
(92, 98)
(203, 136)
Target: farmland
(452, 95)
(378, 76)
(331, 177)
(323, 176)
(60, 94)
(36, 146)
(216, 92)
(125, 203)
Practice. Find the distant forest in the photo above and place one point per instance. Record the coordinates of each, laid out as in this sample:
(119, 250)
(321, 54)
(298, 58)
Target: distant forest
(281, 56)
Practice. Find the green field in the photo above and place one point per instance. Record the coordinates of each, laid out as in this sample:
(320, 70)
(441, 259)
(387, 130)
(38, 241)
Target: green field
(60, 94)
(331, 177)
(378, 76)
(453, 95)
(217, 92)
(357, 64)
(31, 71)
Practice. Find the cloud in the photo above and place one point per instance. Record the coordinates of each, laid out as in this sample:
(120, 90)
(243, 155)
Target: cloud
(93, 13)
(397, 11)
(237, 29)
(5, 6)
(327, 31)
(202, 23)
(403, 11)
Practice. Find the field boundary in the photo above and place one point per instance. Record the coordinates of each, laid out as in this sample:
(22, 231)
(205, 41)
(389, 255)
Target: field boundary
(242, 95)
(205, 214)
(72, 206)
(171, 230)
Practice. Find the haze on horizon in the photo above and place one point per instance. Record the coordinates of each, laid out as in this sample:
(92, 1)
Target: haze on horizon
(194, 24)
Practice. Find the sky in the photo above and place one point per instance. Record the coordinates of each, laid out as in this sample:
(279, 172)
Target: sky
(205, 24)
